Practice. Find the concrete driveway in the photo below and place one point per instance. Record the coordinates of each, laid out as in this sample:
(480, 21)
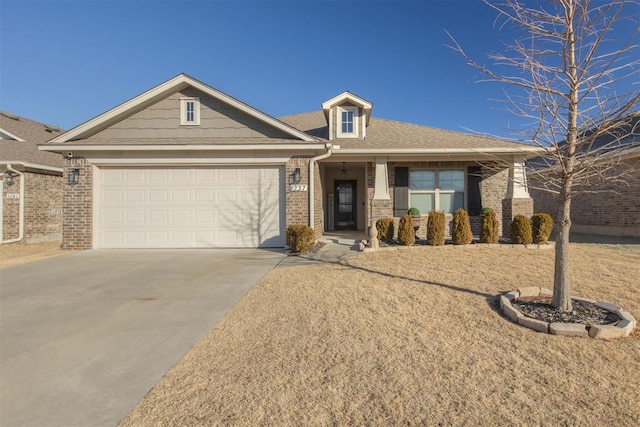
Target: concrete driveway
(84, 336)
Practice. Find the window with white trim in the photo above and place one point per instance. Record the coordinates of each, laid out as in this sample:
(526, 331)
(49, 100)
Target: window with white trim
(439, 189)
(189, 111)
(347, 122)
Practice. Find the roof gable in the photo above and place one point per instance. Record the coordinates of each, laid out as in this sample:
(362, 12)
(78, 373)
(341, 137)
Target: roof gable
(347, 97)
(181, 82)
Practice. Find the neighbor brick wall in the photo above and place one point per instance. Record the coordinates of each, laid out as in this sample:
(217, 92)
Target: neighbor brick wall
(43, 207)
(614, 209)
(11, 210)
(77, 212)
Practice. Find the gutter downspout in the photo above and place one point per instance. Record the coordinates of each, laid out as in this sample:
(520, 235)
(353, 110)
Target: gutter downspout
(21, 215)
(329, 147)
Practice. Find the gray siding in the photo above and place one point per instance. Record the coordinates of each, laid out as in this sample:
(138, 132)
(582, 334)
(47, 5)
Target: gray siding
(217, 120)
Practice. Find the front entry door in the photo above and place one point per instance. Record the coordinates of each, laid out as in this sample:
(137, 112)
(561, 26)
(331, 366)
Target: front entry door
(345, 205)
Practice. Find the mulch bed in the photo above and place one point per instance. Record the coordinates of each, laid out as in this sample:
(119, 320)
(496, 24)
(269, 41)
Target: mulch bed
(584, 312)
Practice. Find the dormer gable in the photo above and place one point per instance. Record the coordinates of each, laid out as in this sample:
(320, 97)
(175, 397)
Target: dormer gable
(347, 116)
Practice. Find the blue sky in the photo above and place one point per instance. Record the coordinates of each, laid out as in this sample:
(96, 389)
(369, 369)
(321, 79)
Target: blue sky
(64, 62)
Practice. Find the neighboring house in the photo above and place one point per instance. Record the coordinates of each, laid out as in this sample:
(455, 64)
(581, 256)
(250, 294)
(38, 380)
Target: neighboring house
(31, 182)
(611, 207)
(185, 165)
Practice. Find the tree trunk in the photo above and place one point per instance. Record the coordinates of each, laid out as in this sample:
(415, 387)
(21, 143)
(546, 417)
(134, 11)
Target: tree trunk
(561, 282)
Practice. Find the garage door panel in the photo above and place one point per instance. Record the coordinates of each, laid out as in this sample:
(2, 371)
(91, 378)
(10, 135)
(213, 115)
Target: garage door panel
(190, 207)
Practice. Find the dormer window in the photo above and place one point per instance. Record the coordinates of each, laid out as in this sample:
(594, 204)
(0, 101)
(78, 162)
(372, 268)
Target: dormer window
(347, 122)
(189, 111)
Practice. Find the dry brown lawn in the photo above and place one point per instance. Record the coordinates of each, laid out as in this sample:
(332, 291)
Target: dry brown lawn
(20, 253)
(407, 337)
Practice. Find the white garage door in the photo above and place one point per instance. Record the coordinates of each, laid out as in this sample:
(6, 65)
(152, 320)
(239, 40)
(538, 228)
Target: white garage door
(191, 207)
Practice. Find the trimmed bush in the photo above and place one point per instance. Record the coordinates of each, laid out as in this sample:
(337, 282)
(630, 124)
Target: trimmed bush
(385, 229)
(406, 235)
(521, 230)
(490, 228)
(541, 227)
(436, 228)
(301, 238)
(461, 228)
(413, 211)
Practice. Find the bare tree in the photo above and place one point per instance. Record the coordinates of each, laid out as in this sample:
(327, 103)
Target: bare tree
(572, 74)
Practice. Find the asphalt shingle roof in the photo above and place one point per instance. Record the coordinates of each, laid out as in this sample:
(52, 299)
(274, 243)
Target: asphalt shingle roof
(391, 134)
(33, 133)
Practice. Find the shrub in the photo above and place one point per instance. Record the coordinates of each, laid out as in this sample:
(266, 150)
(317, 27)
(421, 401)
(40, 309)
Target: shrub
(435, 228)
(413, 212)
(461, 228)
(301, 238)
(406, 234)
(521, 230)
(541, 227)
(490, 228)
(385, 229)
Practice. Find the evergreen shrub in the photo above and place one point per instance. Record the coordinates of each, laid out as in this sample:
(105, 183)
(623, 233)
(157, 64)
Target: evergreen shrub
(490, 228)
(521, 230)
(301, 238)
(385, 229)
(436, 228)
(406, 234)
(541, 227)
(461, 228)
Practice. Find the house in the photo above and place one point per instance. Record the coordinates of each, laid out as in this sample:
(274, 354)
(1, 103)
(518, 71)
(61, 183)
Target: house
(30, 182)
(185, 165)
(604, 205)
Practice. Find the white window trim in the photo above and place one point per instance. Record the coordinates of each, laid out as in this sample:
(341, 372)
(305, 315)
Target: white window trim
(183, 112)
(437, 192)
(356, 122)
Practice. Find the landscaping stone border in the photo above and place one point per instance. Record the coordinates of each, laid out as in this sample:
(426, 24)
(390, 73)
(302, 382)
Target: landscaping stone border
(449, 246)
(621, 329)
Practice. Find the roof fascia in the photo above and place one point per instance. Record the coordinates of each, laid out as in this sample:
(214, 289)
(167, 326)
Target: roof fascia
(66, 147)
(28, 165)
(179, 82)
(12, 135)
(523, 151)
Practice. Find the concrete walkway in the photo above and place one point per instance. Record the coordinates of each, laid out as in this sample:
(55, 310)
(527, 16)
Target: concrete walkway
(335, 248)
(84, 336)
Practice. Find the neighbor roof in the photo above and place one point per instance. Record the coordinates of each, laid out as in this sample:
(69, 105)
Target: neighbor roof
(31, 133)
(383, 134)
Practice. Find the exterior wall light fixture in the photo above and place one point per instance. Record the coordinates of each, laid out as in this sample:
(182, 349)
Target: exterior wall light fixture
(296, 175)
(8, 178)
(73, 177)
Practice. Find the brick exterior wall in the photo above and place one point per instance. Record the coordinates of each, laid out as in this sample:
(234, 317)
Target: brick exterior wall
(615, 210)
(78, 207)
(493, 191)
(11, 210)
(297, 207)
(43, 207)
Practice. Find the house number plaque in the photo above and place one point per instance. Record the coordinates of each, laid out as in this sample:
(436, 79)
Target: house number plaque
(298, 187)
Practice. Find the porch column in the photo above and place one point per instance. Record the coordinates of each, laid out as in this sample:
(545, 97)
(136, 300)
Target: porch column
(381, 187)
(518, 200)
(518, 188)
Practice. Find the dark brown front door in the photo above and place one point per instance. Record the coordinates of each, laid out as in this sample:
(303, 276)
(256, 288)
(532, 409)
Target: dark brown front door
(345, 205)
